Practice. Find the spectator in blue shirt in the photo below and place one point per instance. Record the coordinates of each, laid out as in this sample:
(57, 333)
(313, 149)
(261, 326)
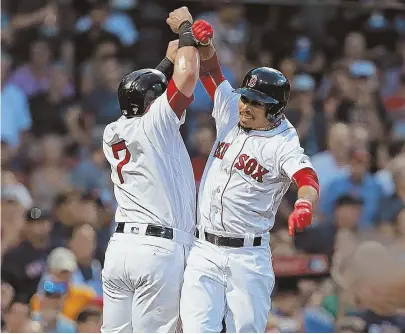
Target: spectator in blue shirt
(15, 113)
(117, 23)
(333, 162)
(358, 182)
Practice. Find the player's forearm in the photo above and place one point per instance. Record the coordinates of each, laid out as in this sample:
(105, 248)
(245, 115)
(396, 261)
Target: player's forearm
(187, 61)
(307, 183)
(308, 193)
(211, 75)
(166, 67)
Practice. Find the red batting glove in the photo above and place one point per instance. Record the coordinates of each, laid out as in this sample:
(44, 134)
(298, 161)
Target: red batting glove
(301, 216)
(203, 32)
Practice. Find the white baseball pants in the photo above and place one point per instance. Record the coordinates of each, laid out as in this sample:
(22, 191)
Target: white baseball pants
(234, 284)
(142, 280)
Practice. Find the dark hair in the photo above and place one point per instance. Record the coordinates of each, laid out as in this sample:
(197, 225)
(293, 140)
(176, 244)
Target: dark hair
(86, 314)
(348, 200)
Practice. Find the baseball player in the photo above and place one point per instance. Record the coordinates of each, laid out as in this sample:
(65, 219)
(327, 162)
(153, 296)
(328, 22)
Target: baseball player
(257, 154)
(155, 190)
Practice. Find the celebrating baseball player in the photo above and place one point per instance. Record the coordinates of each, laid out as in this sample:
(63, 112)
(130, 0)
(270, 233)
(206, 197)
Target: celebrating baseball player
(154, 187)
(257, 154)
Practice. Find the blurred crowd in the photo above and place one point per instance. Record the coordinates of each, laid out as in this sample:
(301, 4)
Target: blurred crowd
(61, 63)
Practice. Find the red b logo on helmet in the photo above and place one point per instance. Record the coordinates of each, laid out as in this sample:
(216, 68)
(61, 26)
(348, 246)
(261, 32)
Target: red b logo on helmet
(252, 81)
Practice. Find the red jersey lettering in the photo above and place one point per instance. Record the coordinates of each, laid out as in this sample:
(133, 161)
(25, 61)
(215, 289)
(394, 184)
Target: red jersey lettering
(251, 167)
(258, 175)
(221, 150)
(241, 163)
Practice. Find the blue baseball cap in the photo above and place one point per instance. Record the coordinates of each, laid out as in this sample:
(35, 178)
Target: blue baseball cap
(54, 288)
(362, 69)
(303, 83)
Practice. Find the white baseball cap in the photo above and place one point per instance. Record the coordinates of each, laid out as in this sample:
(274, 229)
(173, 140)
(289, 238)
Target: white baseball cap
(17, 192)
(62, 259)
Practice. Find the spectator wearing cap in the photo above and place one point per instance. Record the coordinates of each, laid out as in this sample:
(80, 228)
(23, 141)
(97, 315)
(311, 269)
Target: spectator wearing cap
(83, 245)
(321, 238)
(334, 161)
(51, 300)
(61, 265)
(15, 113)
(23, 266)
(357, 182)
(89, 321)
(302, 114)
(15, 200)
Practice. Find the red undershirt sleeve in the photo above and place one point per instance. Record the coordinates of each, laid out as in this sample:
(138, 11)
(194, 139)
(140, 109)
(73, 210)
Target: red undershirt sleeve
(211, 75)
(177, 100)
(306, 177)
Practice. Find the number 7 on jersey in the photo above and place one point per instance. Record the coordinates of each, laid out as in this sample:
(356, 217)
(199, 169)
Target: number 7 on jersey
(118, 147)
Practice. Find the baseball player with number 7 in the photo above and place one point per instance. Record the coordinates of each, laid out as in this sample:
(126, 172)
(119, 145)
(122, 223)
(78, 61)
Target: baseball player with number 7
(155, 191)
(257, 154)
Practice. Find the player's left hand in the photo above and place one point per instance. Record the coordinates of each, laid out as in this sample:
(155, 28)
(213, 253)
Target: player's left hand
(301, 217)
(172, 50)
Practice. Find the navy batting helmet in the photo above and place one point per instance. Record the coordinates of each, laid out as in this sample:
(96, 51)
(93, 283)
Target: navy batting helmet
(138, 89)
(268, 86)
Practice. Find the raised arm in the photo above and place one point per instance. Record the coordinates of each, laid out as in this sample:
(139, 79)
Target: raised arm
(186, 62)
(211, 75)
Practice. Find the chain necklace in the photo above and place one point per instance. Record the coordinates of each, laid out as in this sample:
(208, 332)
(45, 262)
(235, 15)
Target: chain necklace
(267, 128)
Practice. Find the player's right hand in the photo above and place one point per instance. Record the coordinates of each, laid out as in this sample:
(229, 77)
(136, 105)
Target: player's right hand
(203, 32)
(177, 17)
(172, 50)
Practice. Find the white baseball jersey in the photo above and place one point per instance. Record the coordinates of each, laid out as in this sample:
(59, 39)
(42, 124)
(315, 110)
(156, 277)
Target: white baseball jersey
(247, 173)
(151, 169)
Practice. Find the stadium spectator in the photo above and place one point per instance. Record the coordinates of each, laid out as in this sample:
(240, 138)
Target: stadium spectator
(334, 161)
(15, 114)
(83, 245)
(61, 64)
(23, 265)
(89, 321)
(62, 264)
(16, 317)
(51, 299)
(357, 182)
